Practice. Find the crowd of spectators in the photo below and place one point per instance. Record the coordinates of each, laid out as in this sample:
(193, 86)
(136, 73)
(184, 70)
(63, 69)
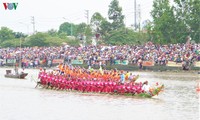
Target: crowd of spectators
(103, 55)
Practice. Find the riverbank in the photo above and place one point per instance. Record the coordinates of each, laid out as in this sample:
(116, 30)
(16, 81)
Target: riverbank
(156, 68)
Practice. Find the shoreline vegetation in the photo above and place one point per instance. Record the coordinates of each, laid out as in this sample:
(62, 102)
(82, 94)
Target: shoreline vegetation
(156, 68)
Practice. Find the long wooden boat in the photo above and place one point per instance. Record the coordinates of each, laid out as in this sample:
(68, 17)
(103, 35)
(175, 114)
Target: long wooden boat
(99, 87)
(19, 76)
(155, 92)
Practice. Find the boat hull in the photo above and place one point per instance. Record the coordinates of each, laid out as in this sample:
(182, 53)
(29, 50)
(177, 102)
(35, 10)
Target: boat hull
(19, 76)
(154, 92)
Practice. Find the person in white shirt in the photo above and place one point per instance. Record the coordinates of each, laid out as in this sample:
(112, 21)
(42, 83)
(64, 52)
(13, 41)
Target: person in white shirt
(146, 87)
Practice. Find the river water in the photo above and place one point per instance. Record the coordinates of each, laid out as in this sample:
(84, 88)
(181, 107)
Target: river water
(19, 100)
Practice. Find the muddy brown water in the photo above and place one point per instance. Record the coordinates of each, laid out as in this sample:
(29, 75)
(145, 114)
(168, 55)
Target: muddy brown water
(19, 100)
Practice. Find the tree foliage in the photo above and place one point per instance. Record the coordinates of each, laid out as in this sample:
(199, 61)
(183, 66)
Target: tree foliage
(163, 19)
(52, 32)
(105, 28)
(76, 29)
(96, 21)
(174, 23)
(39, 39)
(115, 15)
(10, 43)
(6, 34)
(193, 18)
(125, 36)
(171, 23)
(67, 27)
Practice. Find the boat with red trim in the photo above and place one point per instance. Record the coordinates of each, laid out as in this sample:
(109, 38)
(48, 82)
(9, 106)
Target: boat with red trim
(69, 83)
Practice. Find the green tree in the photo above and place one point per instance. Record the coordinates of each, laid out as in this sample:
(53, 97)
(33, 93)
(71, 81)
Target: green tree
(183, 30)
(38, 39)
(52, 32)
(194, 20)
(10, 43)
(83, 29)
(187, 13)
(6, 34)
(172, 24)
(54, 41)
(105, 28)
(96, 22)
(115, 15)
(68, 28)
(63, 35)
(125, 36)
(164, 22)
(19, 35)
(148, 29)
(88, 32)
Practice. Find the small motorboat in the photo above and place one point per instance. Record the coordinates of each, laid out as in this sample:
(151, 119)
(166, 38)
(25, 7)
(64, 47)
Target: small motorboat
(21, 75)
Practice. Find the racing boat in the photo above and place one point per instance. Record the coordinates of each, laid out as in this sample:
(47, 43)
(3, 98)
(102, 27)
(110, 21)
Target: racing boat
(94, 86)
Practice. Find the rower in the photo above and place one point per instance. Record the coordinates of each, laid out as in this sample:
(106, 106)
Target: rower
(146, 87)
(122, 78)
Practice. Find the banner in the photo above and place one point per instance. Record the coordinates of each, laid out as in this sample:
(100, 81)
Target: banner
(57, 61)
(174, 64)
(124, 62)
(197, 64)
(117, 62)
(1, 60)
(4, 61)
(11, 60)
(77, 62)
(147, 63)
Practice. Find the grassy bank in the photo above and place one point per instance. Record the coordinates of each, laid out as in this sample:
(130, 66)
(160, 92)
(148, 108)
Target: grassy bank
(131, 67)
(136, 68)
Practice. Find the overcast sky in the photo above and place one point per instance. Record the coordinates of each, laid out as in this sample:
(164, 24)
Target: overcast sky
(49, 14)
